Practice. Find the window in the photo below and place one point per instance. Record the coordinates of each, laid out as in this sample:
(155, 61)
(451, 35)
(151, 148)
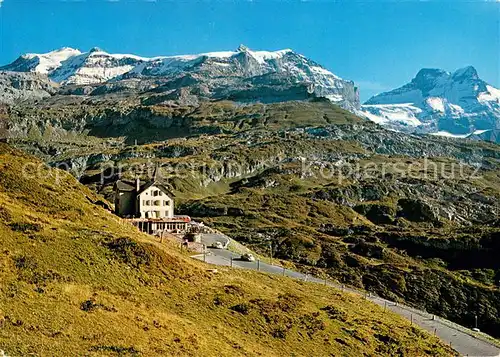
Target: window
(156, 203)
(166, 203)
(148, 203)
(160, 193)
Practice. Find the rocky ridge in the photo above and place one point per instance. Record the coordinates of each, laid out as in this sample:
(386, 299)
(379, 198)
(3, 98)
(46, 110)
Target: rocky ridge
(242, 75)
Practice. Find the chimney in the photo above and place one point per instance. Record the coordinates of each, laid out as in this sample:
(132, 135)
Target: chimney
(137, 184)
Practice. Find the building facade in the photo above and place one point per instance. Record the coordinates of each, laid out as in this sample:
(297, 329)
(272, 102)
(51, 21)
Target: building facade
(149, 206)
(143, 200)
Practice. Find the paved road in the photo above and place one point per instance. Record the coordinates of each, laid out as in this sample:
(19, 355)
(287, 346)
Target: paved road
(457, 336)
(210, 238)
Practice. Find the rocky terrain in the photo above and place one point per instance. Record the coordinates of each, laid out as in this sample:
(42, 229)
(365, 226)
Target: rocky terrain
(18, 87)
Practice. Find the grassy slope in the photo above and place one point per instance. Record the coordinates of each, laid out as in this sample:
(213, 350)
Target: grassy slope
(75, 281)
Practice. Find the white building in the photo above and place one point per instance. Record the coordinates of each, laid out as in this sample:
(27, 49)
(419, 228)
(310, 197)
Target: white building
(149, 206)
(143, 200)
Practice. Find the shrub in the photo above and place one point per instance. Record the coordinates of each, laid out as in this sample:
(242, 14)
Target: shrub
(242, 308)
(25, 227)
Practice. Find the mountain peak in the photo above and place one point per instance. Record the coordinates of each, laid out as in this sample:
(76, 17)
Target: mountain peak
(427, 78)
(468, 72)
(65, 49)
(242, 48)
(429, 73)
(455, 103)
(95, 49)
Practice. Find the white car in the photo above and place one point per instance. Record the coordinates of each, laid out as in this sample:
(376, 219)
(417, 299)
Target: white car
(217, 245)
(247, 257)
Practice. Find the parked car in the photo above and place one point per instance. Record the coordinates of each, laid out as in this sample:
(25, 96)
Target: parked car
(247, 257)
(217, 245)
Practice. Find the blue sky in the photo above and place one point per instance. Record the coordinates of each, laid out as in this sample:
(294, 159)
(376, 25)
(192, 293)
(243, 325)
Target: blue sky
(378, 44)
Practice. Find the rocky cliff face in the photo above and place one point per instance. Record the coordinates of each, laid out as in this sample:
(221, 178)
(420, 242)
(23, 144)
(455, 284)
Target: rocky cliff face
(242, 75)
(436, 101)
(18, 87)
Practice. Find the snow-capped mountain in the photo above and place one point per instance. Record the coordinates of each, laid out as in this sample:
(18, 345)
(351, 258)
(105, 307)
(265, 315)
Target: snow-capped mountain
(239, 74)
(43, 63)
(70, 66)
(436, 101)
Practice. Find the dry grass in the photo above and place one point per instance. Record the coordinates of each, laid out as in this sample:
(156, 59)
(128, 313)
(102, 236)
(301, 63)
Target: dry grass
(74, 280)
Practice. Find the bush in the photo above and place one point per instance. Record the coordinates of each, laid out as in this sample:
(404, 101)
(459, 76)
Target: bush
(25, 227)
(242, 308)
